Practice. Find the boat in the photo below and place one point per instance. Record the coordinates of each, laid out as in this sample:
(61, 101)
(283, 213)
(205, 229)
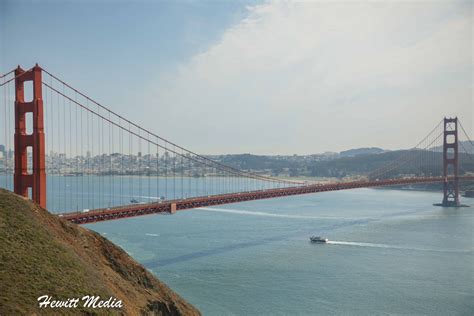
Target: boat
(318, 239)
(134, 201)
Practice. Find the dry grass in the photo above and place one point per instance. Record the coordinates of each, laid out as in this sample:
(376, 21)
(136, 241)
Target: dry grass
(42, 254)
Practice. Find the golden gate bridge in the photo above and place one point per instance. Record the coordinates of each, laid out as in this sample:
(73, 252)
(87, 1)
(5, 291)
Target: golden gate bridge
(60, 145)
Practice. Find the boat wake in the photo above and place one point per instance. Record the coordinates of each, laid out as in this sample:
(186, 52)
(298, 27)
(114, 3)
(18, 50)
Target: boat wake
(363, 244)
(366, 244)
(251, 213)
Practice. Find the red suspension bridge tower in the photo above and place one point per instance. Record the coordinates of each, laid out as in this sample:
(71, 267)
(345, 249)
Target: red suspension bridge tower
(25, 177)
(450, 163)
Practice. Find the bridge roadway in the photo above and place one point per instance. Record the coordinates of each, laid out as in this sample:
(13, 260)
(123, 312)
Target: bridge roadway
(169, 207)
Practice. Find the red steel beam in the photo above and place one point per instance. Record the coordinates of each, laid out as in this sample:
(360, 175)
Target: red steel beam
(23, 179)
(170, 207)
(450, 162)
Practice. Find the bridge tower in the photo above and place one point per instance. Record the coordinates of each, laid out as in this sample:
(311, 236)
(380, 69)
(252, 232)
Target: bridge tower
(450, 163)
(34, 177)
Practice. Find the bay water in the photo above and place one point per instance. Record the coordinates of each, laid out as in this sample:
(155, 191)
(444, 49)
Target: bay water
(389, 252)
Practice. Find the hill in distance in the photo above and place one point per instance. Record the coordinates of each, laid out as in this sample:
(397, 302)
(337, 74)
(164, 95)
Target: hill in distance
(41, 254)
(361, 151)
(353, 162)
(464, 146)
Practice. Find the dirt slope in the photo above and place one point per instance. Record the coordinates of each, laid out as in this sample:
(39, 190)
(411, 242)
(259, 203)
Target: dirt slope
(41, 254)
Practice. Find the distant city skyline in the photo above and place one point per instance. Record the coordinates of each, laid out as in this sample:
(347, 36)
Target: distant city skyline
(258, 77)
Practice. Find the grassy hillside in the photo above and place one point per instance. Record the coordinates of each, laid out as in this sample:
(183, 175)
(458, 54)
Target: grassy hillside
(41, 254)
(360, 164)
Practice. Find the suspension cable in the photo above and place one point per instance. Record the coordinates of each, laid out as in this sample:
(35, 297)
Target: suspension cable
(265, 178)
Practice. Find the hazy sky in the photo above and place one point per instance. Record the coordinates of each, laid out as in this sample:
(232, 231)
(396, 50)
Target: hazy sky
(259, 77)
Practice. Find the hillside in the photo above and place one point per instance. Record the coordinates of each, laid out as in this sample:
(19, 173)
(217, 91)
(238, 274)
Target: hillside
(41, 254)
(361, 151)
(465, 146)
(352, 164)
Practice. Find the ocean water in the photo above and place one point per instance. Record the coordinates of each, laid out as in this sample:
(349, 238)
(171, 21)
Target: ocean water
(390, 251)
(68, 194)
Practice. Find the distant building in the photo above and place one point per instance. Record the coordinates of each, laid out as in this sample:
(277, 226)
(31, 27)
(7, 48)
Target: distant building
(2, 152)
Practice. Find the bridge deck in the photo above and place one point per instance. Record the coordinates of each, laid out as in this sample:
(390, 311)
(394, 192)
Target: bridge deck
(171, 206)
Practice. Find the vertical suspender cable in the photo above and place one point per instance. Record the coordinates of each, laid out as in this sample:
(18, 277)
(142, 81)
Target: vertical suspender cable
(99, 156)
(130, 186)
(166, 171)
(158, 172)
(65, 154)
(58, 110)
(121, 161)
(71, 148)
(5, 149)
(88, 157)
(139, 165)
(111, 171)
(182, 175)
(82, 158)
(92, 174)
(174, 172)
(189, 177)
(148, 166)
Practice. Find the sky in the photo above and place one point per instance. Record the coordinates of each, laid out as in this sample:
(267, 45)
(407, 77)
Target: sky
(258, 77)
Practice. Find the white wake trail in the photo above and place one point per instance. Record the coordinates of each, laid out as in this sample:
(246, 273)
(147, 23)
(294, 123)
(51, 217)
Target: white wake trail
(242, 212)
(363, 244)
(366, 244)
(152, 235)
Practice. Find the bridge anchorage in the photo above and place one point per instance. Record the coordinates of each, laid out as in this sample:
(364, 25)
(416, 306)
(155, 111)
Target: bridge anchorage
(101, 166)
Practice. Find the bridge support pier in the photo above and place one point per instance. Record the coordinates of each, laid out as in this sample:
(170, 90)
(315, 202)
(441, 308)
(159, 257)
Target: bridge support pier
(450, 163)
(33, 177)
(173, 208)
